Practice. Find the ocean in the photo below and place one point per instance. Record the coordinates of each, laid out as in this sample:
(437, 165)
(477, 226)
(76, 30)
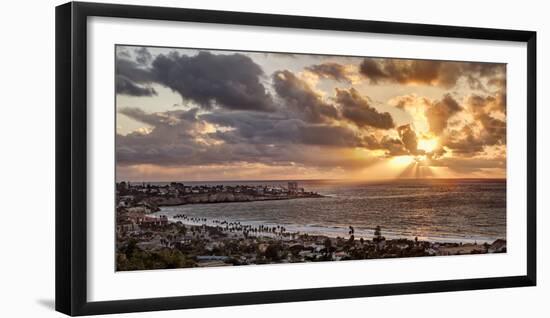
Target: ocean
(437, 210)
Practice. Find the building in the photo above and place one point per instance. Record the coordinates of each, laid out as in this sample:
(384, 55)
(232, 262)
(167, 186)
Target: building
(292, 186)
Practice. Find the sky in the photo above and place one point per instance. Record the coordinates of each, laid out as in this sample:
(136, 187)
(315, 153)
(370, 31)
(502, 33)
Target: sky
(206, 115)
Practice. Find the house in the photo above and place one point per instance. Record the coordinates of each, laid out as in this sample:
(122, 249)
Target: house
(126, 226)
(148, 220)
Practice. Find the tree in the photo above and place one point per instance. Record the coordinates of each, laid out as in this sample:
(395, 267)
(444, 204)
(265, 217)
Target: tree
(328, 245)
(272, 252)
(377, 233)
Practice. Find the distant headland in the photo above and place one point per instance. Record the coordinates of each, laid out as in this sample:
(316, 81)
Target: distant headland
(176, 193)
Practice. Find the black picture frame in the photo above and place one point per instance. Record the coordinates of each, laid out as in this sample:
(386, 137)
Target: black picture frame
(71, 157)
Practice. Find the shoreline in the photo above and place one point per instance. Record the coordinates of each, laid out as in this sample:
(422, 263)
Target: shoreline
(154, 232)
(160, 243)
(335, 232)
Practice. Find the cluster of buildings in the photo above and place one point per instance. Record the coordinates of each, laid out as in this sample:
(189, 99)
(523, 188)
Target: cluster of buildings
(176, 189)
(190, 241)
(203, 245)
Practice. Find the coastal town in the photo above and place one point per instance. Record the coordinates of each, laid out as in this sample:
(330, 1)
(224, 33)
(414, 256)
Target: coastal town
(177, 193)
(147, 239)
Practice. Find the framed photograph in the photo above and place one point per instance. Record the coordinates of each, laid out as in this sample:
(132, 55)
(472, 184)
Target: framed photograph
(208, 158)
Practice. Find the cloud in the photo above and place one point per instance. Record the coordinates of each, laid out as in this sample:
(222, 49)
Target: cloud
(133, 71)
(181, 138)
(439, 112)
(482, 130)
(330, 70)
(238, 117)
(132, 79)
(484, 110)
(299, 97)
(463, 142)
(468, 141)
(229, 81)
(143, 56)
(409, 139)
(411, 100)
(124, 86)
(393, 146)
(330, 136)
(445, 74)
(357, 110)
(483, 104)
(260, 129)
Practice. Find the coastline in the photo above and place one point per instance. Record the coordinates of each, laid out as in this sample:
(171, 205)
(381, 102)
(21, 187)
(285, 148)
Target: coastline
(334, 232)
(153, 233)
(160, 243)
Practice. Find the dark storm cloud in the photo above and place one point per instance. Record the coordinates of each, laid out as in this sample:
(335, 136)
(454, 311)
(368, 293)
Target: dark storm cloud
(132, 79)
(439, 112)
(125, 86)
(300, 98)
(170, 140)
(177, 138)
(229, 81)
(329, 70)
(429, 72)
(254, 127)
(330, 136)
(357, 110)
(275, 129)
(133, 71)
(271, 129)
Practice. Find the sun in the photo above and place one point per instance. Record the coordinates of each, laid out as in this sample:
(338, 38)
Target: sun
(428, 145)
(402, 160)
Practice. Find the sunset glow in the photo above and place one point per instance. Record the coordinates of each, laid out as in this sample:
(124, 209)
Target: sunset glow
(428, 145)
(187, 114)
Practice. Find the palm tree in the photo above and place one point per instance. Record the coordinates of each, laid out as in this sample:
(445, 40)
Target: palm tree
(377, 233)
